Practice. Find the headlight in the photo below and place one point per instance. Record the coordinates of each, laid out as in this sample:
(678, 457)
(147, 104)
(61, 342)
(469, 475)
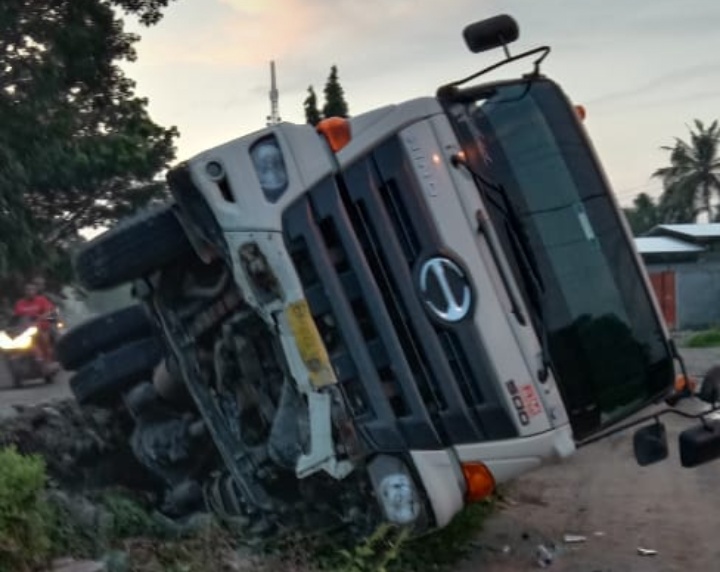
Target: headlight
(270, 168)
(395, 490)
(21, 342)
(6, 342)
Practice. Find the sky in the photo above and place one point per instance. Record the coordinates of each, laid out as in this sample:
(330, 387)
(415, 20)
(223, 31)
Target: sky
(644, 70)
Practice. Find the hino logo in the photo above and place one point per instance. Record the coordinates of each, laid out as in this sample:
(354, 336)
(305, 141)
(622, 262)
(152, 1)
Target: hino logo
(445, 289)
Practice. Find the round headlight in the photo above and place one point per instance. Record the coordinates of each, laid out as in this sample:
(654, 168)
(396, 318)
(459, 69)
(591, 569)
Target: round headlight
(270, 168)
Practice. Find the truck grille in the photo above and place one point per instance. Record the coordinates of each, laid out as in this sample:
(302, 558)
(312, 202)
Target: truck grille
(355, 241)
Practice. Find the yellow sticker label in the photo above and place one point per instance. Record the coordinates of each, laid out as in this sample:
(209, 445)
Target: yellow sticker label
(310, 344)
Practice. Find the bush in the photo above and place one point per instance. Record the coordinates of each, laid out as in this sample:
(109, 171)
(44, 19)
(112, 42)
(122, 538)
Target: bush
(130, 519)
(24, 514)
(706, 339)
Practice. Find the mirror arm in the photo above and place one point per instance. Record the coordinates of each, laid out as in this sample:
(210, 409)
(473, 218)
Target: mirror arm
(448, 90)
(678, 358)
(674, 397)
(656, 417)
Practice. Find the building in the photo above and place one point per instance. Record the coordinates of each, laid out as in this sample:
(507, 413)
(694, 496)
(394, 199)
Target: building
(683, 261)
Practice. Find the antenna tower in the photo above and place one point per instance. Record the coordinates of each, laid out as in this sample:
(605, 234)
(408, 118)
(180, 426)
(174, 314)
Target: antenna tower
(274, 117)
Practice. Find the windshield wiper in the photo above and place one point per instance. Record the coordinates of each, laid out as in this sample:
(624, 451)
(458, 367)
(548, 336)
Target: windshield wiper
(523, 254)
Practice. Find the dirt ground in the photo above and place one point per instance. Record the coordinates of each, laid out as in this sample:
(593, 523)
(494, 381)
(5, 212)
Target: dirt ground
(599, 493)
(602, 494)
(32, 392)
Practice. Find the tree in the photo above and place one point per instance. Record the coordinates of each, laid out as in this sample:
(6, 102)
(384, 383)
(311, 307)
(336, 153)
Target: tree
(312, 113)
(643, 215)
(335, 104)
(77, 146)
(693, 177)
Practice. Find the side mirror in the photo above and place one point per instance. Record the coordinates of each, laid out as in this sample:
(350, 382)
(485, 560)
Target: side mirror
(650, 444)
(710, 388)
(491, 33)
(700, 444)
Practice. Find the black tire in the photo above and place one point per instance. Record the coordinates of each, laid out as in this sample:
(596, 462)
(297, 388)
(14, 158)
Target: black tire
(133, 248)
(103, 381)
(82, 344)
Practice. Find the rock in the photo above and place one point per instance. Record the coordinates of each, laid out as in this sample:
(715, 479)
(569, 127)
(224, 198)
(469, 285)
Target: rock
(71, 565)
(7, 412)
(544, 556)
(82, 447)
(101, 417)
(187, 526)
(574, 538)
(91, 524)
(117, 561)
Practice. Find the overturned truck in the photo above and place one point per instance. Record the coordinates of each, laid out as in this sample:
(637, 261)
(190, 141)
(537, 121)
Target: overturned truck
(381, 318)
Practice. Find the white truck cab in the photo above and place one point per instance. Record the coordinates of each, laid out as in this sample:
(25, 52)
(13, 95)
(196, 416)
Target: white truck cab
(445, 290)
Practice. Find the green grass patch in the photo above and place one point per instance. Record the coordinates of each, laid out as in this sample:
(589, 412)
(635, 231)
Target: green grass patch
(24, 515)
(706, 339)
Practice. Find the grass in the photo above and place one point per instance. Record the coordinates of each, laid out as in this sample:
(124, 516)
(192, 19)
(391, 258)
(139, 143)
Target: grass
(25, 541)
(706, 339)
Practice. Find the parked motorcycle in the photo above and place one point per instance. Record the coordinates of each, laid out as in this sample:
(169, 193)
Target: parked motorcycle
(18, 346)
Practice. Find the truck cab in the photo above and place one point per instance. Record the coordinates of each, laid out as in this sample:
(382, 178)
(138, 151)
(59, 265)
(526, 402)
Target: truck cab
(445, 289)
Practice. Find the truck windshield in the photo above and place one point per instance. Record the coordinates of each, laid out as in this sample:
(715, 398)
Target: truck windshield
(605, 339)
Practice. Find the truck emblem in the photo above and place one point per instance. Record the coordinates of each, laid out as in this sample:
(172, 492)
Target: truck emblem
(445, 289)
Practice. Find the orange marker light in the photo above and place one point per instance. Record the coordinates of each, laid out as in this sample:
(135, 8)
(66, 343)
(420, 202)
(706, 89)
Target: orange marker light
(683, 383)
(581, 113)
(336, 131)
(479, 480)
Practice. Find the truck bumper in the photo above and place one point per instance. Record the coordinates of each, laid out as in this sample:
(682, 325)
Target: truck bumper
(441, 475)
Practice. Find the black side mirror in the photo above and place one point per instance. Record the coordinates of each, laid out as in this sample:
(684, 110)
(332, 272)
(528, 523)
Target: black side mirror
(700, 444)
(491, 33)
(710, 388)
(650, 444)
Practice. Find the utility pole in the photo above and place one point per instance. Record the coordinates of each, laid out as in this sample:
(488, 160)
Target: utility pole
(274, 117)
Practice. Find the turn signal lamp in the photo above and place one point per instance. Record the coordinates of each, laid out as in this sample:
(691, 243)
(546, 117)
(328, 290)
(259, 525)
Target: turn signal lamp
(336, 131)
(580, 111)
(683, 383)
(480, 483)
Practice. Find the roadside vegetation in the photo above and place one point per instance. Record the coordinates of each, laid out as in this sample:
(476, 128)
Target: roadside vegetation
(39, 523)
(705, 339)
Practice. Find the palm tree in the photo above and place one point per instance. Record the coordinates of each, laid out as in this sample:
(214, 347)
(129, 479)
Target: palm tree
(693, 176)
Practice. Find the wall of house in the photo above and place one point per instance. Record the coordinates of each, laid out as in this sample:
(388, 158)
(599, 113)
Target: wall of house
(697, 292)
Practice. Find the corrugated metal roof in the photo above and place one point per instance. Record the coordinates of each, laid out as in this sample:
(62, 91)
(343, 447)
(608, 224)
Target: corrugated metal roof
(665, 245)
(703, 230)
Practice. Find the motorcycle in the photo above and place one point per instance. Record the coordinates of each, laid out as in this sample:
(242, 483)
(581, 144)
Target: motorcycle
(18, 345)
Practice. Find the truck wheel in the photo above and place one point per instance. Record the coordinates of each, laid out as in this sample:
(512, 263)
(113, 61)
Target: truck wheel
(132, 249)
(103, 381)
(82, 344)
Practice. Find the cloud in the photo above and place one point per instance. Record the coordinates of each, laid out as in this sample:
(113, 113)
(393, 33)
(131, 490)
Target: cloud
(638, 66)
(248, 32)
(659, 87)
